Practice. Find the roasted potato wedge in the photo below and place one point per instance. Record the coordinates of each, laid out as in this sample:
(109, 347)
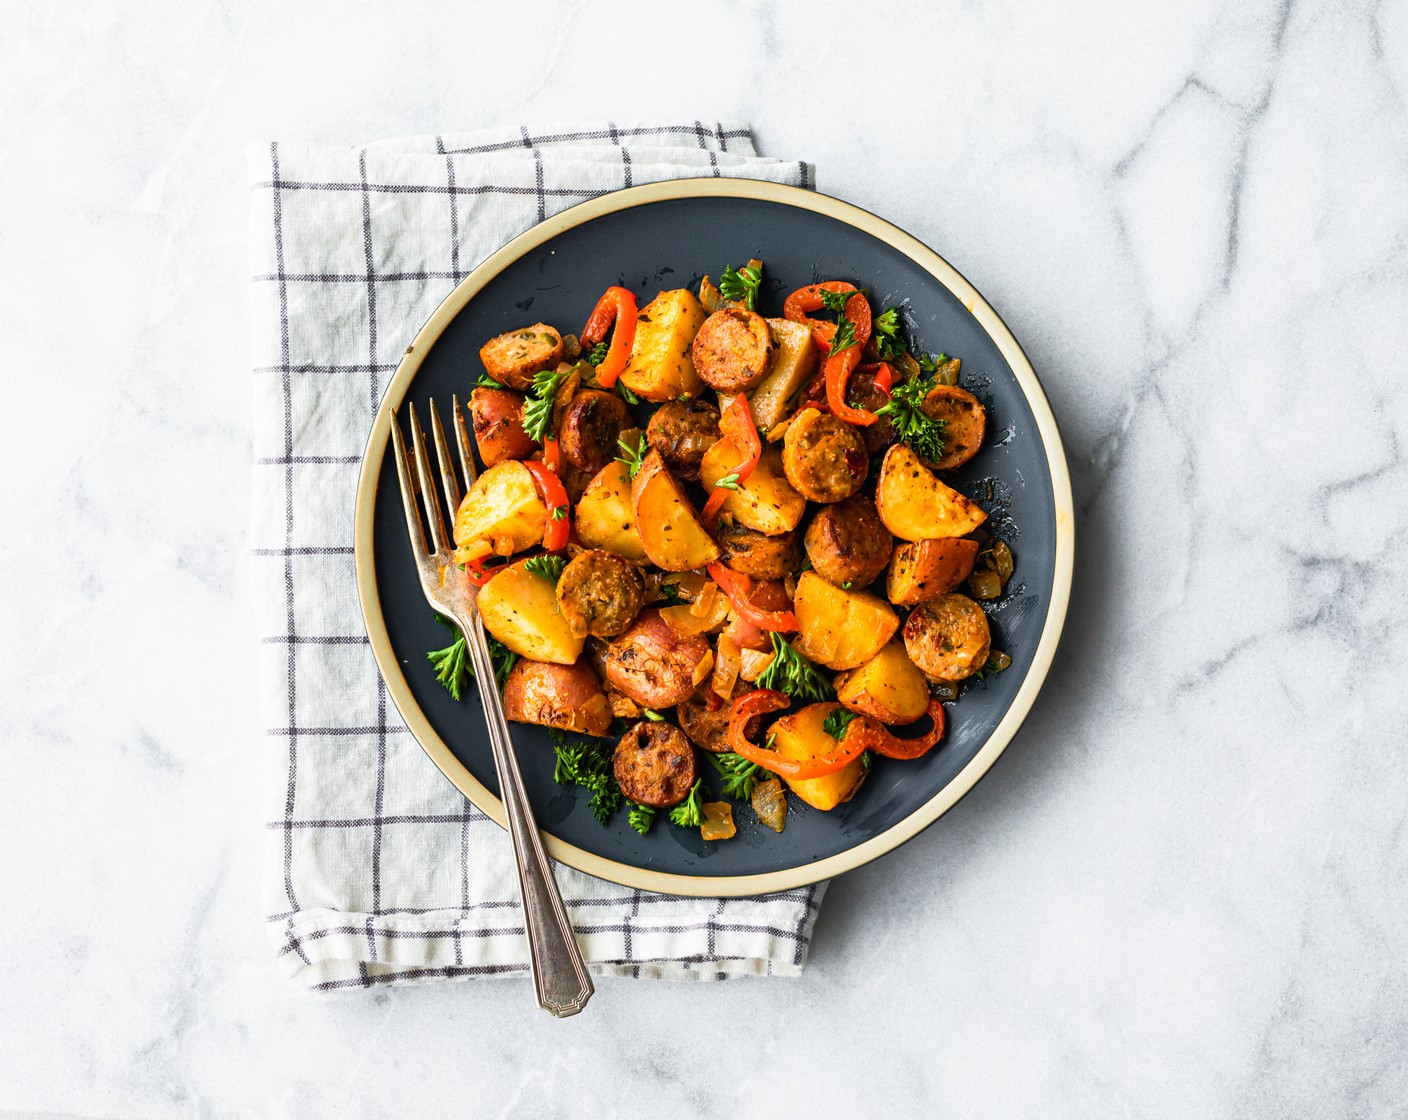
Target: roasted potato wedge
(606, 518)
(803, 735)
(520, 609)
(840, 629)
(766, 503)
(674, 537)
(502, 514)
(660, 367)
(889, 687)
(924, 570)
(793, 363)
(568, 697)
(949, 639)
(916, 506)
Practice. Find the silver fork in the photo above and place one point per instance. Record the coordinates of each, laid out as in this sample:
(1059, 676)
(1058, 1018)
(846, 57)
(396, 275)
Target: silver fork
(559, 976)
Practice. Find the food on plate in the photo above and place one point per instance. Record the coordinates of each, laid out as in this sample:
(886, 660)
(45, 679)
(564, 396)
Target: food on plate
(512, 358)
(679, 533)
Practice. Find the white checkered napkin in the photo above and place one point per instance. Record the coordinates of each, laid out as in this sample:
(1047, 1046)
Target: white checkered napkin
(379, 871)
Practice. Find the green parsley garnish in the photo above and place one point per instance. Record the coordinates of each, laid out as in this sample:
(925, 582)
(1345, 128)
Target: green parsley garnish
(741, 286)
(924, 434)
(642, 817)
(537, 415)
(836, 723)
(633, 456)
(652, 715)
(671, 593)
(597, 354)
(739, 775)
(588, 765)
(453, 667)
(836, 301)
(793, 674)
(886, 334)
(845, 336)
(560, 513)
(487, 382)
(729, 481)
(548, 566)
(628, 396)
(929, 364)
(689, 813)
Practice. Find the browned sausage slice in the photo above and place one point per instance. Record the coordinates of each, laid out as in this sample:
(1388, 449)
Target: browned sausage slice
(497, 418)
(590, 428)
(758, 555)
(600, 593)
(682, 431)
(823, 457)
(732, 350)
(949, 638)
(512, 358)
(654, 764)
(707, 727)
(569, 697)
(652, 664)
(965, 423)
(847, 542)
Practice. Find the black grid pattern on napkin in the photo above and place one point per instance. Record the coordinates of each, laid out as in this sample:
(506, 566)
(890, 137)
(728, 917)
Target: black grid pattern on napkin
(357, 794)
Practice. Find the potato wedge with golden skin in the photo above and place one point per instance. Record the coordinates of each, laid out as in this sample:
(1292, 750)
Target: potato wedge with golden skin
(766, 503)
(916, 506)
(840, 629)
(502, 514)
(674, 537)
(924, 570)
(568, 697)
(520, 609)
(497, 421)
(803, 735)
(605, 517)
(793, 363)
(660, 367)
(889, 687)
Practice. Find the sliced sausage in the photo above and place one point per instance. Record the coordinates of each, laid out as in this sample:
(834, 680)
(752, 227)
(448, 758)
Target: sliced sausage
(682, 431)
(707, 727)
(823, 457)
(758, 555)
(600, 594)
(654, 764)
(948, 638)
(512, 358)
(590, 427)
(569, 697)
(965, 423)
(497, 418)
(732, 350)
(652, 664)
(848, 544)
(862, 392)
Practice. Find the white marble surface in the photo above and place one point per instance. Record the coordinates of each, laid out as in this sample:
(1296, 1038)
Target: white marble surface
(1179, 894)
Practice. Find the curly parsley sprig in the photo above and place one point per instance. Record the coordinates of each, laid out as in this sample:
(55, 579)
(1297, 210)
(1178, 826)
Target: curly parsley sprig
(587, 764)
(453, 667)
(633, 456)
(923, 434)
(689, 813)
(642, 817)
(739, 775)
(740, 285)
(548, 566)
(790, 672)
(836, 301)
(537, 413)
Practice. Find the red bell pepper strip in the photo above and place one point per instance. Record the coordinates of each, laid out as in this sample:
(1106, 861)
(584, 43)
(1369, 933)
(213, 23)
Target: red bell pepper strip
(619, 305)
(738, 428)
(803, 300)
(881, 374)
(479, 575)
(559, 526)
(838, 373)
(764, 700)
(552, 454)
(739, 588)
(878, 738)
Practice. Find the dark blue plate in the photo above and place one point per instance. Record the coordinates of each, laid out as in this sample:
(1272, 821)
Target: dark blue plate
(668, 235)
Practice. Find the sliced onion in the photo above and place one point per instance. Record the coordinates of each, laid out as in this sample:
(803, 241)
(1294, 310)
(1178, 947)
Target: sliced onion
(703, 669)
(754, 663)
(704, 603)
(718, 821)
(727, 665)
(770, 803)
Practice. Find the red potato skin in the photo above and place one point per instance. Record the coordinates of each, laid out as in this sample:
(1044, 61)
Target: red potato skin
(496, 416)
(569, 697)
(652, 664)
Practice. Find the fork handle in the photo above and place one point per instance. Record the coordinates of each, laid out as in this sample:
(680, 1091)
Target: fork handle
(560, 977)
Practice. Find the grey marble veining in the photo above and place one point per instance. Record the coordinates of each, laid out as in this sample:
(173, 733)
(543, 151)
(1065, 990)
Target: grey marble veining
(1178, 894)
